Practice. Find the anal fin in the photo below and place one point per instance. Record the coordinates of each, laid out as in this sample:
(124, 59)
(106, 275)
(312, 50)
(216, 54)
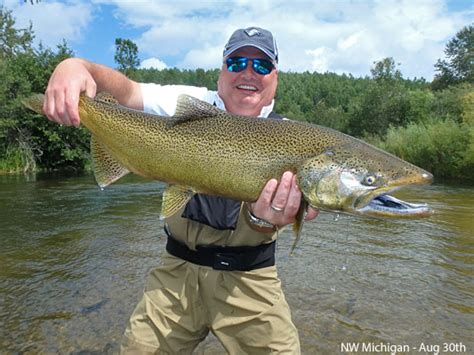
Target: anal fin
(107, 169)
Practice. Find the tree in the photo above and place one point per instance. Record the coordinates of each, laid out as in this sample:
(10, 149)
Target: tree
(26, 139)
(126, 55)
(385, 69)
(13, 41)
(458, 66)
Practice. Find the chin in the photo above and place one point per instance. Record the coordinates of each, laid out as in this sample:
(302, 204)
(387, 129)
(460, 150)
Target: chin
(251, 100)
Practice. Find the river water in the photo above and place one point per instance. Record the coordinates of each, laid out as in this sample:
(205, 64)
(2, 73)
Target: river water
(73, 261)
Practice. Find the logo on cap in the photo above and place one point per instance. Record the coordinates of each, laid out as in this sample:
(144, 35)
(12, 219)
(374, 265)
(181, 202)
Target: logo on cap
(252, 32)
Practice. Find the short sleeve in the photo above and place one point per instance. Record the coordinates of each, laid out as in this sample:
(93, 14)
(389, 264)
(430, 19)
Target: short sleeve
(162, 99)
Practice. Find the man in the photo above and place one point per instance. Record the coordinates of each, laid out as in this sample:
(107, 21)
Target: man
(218, 273)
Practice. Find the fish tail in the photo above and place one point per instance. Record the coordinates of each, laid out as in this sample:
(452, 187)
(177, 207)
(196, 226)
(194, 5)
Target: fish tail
(34, 103)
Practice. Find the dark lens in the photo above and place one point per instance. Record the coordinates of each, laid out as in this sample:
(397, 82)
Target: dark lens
(236, 64)
(262, 66)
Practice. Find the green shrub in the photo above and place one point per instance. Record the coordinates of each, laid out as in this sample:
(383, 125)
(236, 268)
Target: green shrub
(443, 147)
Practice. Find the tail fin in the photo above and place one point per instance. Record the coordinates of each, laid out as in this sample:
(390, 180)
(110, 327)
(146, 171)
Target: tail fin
(35, 103)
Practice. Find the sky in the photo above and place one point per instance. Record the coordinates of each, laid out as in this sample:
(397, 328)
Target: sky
(340, 36)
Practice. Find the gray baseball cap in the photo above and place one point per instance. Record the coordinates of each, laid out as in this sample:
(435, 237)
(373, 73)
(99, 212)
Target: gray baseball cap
(254, 37)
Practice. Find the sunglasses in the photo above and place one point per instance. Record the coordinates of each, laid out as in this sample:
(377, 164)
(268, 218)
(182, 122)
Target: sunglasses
(259, 66)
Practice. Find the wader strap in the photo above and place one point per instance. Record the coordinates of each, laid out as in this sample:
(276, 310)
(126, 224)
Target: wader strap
(224, 258)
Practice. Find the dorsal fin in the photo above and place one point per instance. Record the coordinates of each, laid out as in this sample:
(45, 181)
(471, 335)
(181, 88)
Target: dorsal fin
(106, 98)
(189, 108)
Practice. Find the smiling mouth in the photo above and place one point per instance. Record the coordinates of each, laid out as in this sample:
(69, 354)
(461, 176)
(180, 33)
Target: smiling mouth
(247, 87)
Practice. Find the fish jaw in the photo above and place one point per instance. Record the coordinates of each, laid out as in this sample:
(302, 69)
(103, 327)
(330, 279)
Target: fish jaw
(379, 202)
(387, 206)
(359, 188)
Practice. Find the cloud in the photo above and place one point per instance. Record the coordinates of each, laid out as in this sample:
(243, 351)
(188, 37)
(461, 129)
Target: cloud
(340, 36)
(205, 58)
(321, 57)
(52, 21)
(153, 63)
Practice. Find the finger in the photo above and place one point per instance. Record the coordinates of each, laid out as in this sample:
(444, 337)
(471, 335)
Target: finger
(90, 89)
(60, 107)
(265, 198)
(282, 192)
(312, 214)
(72, 107)
(48, 106)
(294, 199)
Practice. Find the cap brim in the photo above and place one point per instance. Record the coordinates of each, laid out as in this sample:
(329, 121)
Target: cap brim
(228, 52)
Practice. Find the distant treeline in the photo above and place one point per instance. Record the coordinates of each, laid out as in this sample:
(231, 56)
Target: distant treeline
(430, 124)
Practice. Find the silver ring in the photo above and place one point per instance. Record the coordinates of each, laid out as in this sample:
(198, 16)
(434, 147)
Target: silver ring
(276, 209)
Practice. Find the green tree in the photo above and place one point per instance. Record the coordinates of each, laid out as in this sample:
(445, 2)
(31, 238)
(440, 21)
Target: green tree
(385, 69)
(126, 55)
(13, 40)
(382, 104)
(458, 66)
(29, 141)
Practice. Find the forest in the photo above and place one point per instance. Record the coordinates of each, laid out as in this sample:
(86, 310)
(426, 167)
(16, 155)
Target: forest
(430, 124)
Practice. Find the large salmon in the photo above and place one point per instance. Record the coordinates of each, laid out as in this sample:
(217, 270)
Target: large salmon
(203, 149)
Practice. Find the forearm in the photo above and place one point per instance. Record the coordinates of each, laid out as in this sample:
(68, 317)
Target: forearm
(125, 90)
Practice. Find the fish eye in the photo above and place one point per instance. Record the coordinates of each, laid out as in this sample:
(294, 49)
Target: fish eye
(370, 180)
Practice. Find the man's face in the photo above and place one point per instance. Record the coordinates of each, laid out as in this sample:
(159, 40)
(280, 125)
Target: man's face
(246, 92)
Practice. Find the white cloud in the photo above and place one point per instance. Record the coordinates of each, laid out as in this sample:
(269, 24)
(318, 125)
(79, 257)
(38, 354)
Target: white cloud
(346, 43)
(205, 58)
(153, 63)
(336, 36)
(52, 21)
(321, 57)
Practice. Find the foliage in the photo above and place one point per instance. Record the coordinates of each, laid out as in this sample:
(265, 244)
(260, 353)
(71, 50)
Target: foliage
(433, 129)
(126, 55)
(13, 41)
(28, 140)
(441, 146)
(386, 69)
(173, 76)
(455, 102)
(458, 67)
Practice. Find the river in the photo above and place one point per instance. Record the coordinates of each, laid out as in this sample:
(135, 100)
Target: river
(73, 261)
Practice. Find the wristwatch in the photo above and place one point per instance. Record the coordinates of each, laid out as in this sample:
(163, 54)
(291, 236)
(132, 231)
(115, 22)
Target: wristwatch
(258, 221)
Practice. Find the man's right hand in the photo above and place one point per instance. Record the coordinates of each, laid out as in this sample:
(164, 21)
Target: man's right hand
(70, 78)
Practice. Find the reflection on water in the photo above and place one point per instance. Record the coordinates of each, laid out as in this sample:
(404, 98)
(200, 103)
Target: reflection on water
(73, 261)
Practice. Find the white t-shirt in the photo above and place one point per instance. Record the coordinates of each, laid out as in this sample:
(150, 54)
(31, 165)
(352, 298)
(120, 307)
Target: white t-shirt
(162, 99)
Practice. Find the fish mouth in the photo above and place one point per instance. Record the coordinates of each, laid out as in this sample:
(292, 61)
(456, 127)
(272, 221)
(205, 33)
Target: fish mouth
(379, 203)
(385, 205)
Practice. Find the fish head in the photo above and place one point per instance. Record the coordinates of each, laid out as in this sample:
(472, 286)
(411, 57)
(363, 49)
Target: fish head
(356, 178)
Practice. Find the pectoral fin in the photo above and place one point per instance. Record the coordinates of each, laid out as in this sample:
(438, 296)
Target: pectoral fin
(298, 225)
(106, 168)
(174, 198)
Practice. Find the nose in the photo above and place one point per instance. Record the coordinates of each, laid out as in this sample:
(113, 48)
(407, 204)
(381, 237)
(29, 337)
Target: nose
(248, 71)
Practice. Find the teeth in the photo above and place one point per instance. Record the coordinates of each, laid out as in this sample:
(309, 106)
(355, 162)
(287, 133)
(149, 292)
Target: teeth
(247, 87)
